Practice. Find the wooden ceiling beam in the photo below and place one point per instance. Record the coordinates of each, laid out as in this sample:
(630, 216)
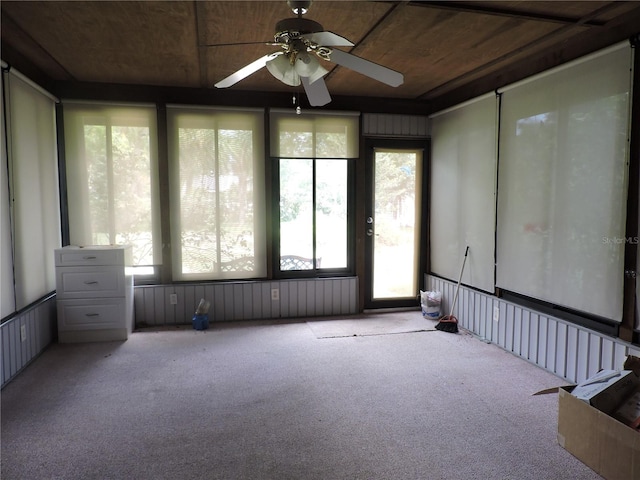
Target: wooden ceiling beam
(28, 46)
(503, 12)
(386, 18)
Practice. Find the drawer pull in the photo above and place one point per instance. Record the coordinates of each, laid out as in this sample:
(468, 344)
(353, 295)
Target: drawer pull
(91, 314)
(91, 282)
(89, 257)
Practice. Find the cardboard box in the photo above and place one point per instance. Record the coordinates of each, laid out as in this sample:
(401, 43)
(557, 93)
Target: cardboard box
(607, 389)
(629, 412)
(608, 446)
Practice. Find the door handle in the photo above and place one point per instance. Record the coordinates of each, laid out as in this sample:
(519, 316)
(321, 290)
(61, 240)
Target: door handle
(369, 232)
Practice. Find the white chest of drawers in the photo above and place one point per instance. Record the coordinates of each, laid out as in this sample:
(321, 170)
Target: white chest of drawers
(94, 293)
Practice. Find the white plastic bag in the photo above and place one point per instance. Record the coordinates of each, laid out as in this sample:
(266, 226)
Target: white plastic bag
(430, 303)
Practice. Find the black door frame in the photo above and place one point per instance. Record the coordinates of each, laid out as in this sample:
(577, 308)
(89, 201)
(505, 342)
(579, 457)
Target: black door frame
(367, 284)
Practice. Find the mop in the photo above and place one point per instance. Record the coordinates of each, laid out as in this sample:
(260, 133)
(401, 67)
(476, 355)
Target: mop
(449, 323)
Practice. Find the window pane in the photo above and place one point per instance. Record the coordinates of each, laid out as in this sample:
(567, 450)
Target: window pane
(396, 212)
(462, 193)
(95, 137)
(198, 213)
(331, 213)
(313, 150)
(236, 195)
(35, 210)
(314, 136)
(217, 197)
(132, 187)
(7, 300)
(296, 214)
(334, 137)
(563, 179)
(111, 178)
(118, 177)
(297, 142)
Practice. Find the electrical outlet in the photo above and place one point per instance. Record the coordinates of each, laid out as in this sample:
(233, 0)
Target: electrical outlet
(23, 333)
(496, 314)
(275, 294)
(173, 298)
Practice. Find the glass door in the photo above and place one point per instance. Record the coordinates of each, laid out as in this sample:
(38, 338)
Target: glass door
(394, 233)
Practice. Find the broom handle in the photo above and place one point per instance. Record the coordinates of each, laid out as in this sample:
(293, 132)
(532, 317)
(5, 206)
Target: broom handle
(455, 297)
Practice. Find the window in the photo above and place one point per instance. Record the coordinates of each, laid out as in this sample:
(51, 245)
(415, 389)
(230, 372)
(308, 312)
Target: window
(463, 177)
(112, 191)
(563, 184)
(217, 193)
(314, 155)
(313, 192)
(395, 229)
(30, 209)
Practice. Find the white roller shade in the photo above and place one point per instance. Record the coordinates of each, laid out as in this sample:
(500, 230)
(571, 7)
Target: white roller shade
(112, 177)
(7, 301)
(314, 135)
(33, 187)
(218, 208)
(462, 200)
(563, 183)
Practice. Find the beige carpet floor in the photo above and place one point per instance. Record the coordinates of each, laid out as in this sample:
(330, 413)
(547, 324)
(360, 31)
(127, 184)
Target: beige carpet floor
(269, 400)
(410, 321)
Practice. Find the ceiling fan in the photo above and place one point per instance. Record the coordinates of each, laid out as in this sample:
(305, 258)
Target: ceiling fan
(303, 42)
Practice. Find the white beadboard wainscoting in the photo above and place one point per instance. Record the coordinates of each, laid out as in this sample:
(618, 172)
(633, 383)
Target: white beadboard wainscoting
(25, 336)
(569, 351)
(249, 300)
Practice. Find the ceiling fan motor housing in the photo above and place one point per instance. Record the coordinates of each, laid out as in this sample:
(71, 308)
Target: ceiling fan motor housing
(291, 28)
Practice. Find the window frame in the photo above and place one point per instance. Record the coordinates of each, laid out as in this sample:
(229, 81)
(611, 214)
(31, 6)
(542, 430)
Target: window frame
(105, 113)
(316, 272)
(218, 117)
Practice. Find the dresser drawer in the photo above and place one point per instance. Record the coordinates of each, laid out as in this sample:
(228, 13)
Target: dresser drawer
(94, 293)
(85, 282)
(97, 314)
(89, 256)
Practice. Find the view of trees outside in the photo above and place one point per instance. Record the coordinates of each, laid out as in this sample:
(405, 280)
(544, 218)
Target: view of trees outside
(216, 212)
(396, 229)
(297, 210)
(331, 212)
(216, 199)
(297, 188)
(118, 164)
(296, 207)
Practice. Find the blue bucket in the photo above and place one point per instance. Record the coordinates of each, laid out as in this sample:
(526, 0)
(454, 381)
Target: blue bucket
(200, 322)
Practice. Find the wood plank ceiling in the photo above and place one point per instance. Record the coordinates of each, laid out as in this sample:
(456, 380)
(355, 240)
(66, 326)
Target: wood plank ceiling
(447, 51)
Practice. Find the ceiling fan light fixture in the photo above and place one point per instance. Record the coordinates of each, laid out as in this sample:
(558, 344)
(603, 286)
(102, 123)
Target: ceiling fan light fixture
(308, 66)
(281, 68)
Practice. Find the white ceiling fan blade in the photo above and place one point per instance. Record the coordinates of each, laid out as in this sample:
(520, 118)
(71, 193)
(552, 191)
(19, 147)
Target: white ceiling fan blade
(244, 72)
(365, 67)
(317, 92)
(327, 39)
